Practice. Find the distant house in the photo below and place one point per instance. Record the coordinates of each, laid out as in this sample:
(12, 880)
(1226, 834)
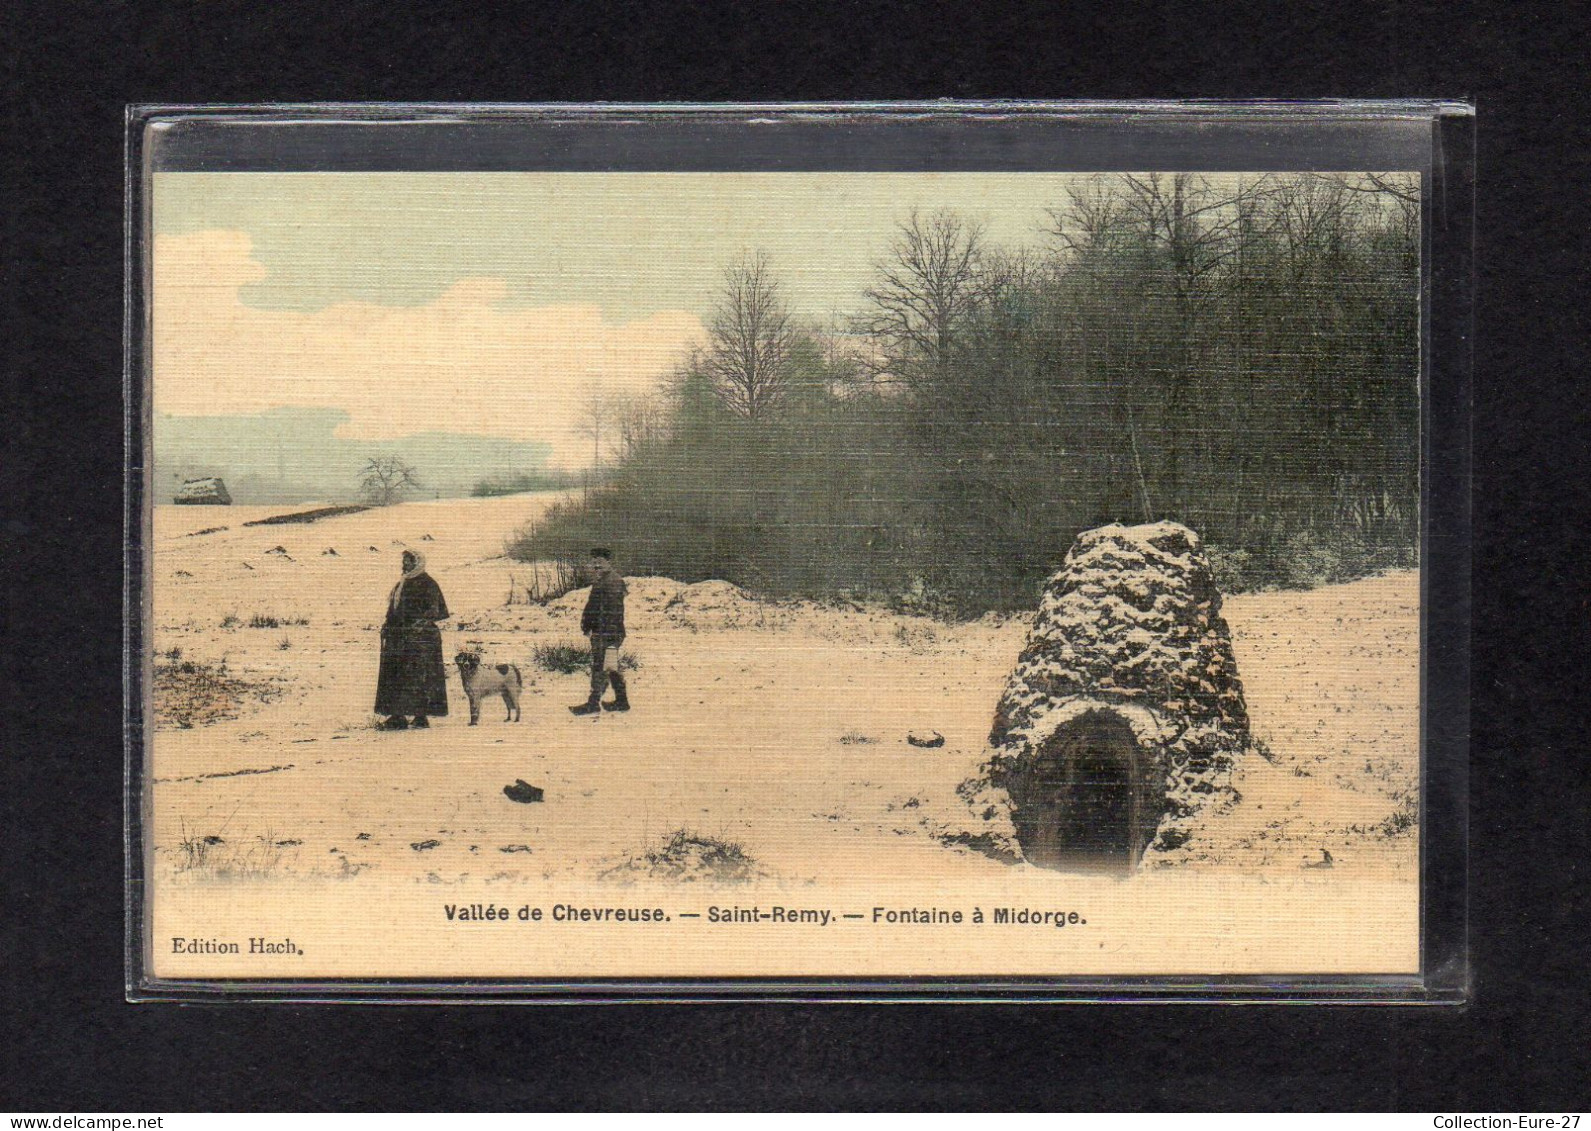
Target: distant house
(208, 492)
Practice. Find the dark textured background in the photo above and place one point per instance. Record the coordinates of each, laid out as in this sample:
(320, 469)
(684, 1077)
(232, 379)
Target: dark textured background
(68, 70)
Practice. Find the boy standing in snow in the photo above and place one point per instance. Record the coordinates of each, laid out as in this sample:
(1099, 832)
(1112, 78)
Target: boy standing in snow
(603, 624)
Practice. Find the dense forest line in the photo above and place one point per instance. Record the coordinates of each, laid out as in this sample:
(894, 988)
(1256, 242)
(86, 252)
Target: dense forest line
(1239, 355)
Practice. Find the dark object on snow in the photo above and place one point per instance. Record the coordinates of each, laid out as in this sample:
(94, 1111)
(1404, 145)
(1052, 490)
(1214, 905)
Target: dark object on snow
(206, 492)
(412, 679)
(1125, 716)
(522, 792)
(927, 739)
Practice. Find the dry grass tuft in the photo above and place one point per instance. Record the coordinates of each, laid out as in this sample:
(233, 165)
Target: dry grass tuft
(270, 620)
(187, 694)
(567, 659)
(688, 857)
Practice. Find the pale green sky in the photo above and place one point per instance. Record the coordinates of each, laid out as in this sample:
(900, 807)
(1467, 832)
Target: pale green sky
(410, 303)
(634, 243)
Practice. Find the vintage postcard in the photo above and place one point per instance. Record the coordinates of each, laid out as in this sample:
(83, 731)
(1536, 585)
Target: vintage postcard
(828, 574)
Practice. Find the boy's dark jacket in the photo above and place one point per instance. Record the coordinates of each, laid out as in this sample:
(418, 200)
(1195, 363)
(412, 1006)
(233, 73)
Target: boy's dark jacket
(605, 607)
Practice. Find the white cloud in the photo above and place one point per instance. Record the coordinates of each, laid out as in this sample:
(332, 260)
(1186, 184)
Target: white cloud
(463, 363)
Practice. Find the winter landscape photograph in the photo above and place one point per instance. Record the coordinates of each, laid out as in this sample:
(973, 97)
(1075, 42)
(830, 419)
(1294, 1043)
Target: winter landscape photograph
(833, 575)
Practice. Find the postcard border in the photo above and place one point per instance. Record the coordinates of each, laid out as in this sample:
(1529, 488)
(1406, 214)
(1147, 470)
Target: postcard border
(1447, 375)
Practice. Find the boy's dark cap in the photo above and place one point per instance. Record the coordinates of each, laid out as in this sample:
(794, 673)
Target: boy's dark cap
(602, 552)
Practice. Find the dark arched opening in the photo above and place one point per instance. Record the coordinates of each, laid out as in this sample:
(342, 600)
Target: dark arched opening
(1087, 800)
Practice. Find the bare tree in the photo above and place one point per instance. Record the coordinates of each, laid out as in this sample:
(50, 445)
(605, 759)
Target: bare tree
(1091, 220)
(927, 289)
(750, 340)
(386, 479)
(1311, 217)
(639, 421)
(844, 359)
(1194, 223)
(1394, 199)
(1404, 187)
(595, 410)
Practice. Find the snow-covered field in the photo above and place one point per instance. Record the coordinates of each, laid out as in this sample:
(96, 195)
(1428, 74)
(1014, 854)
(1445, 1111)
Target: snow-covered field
(776, 728)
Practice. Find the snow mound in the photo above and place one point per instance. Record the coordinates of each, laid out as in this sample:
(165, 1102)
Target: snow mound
(641, 594)
(650, 594)
(664, 601)
(714, 604)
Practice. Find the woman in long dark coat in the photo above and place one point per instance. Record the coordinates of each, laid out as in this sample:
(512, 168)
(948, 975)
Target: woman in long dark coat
(412, 680)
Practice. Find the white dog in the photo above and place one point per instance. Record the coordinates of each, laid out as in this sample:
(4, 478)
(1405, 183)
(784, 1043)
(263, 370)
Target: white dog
(484, 682)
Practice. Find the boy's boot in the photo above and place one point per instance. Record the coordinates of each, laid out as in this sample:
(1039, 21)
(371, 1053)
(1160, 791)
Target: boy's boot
(599, 684)
(621, 695)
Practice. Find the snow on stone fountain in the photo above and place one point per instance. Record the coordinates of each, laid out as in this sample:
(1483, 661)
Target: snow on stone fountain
(1124, 717)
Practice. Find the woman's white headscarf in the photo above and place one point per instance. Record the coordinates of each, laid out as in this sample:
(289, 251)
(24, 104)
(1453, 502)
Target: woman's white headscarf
(412, 572)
